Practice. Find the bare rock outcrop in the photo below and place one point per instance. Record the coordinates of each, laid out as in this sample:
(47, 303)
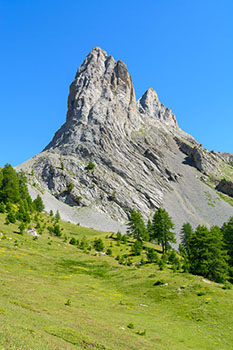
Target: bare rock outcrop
(138, 151)
(226, 187)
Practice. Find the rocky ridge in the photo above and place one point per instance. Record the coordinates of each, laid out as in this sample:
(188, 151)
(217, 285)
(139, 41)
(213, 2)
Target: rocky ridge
(138, 153)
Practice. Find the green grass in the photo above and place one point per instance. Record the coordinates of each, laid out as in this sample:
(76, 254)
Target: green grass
(55, 296)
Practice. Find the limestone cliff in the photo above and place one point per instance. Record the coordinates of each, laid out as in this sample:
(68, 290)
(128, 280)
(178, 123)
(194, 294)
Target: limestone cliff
(139, 156)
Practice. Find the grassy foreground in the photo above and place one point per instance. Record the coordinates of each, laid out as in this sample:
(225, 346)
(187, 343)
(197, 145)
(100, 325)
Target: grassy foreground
(55, 296)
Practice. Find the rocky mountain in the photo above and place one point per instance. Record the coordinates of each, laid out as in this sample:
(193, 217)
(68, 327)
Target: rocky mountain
(114, 153)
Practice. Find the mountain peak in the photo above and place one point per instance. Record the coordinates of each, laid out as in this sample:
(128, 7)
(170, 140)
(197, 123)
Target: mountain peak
(141, 158)
(150, 105)
(100, 77)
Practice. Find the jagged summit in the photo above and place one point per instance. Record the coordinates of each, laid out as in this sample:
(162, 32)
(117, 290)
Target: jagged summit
(150, 105)
(103, 92)
(141, 158)
(99, 77)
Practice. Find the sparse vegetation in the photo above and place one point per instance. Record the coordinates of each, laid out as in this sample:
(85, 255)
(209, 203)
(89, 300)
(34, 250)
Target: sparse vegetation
(90, 166)
(59, 274)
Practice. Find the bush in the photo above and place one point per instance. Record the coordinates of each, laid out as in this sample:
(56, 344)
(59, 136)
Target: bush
(152, 255)
(98, 244)
(57, 230)
(119, 236)
(70, 187)
(130, 326)
(90, 166)
(124, 239)
(109, 251)
(161, 264)
(73, 241)
(84, 243)
(22, 227)
(57, 216)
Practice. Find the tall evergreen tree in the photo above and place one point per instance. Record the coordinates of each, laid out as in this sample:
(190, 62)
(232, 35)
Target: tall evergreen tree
(136, 226)
(186, 234)
(207, 255)
(9, 191)
(23, 191)
(149, 228)
(162, 225)
(227, 230)
(38, 204)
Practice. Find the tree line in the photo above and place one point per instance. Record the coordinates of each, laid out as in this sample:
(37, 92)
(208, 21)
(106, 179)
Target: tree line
(15, 199)
(206, 252)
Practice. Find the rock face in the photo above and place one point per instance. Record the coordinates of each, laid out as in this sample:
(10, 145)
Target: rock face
(138, 151)
(226, 187)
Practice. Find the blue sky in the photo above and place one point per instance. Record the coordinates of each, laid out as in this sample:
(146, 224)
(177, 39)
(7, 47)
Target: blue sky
(181, 48)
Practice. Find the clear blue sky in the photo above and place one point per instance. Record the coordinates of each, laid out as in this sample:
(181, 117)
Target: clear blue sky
(181, 48)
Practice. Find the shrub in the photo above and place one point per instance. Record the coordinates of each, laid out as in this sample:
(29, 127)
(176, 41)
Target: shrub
(57, 216)
(90, 166)
(22, 227)
(119, 236)
(73, 241)
(124, 239)
(141, 332)
(109, 251)
(152, 255)
(98, 244)
(161, 264)
(130, 326)
(68, 302)
(70, 187)
(84, 243)
(57, 230)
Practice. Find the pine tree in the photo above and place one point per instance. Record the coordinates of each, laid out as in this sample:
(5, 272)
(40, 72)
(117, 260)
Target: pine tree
(38, 204)
(227, 230)
(98, 245)
(137, 247)
(57, 216)
(149, 228)
(136, 226)
(162, 225)
(186, 234)
(9, 191)
(207, 256)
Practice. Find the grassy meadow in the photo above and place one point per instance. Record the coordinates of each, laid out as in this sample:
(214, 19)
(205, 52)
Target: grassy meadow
(53, 295)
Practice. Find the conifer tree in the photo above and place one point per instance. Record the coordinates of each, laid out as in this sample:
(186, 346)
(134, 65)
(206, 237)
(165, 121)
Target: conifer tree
(207, 255)
(162, 225)
(227, 230)
(186, 234)
(9, 191)
(38, 204)
(136, 226)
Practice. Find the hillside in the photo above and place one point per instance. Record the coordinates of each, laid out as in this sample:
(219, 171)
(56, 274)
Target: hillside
(114, 154)
(55, 295)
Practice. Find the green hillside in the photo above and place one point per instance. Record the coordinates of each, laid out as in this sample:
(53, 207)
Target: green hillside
(55, 295)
